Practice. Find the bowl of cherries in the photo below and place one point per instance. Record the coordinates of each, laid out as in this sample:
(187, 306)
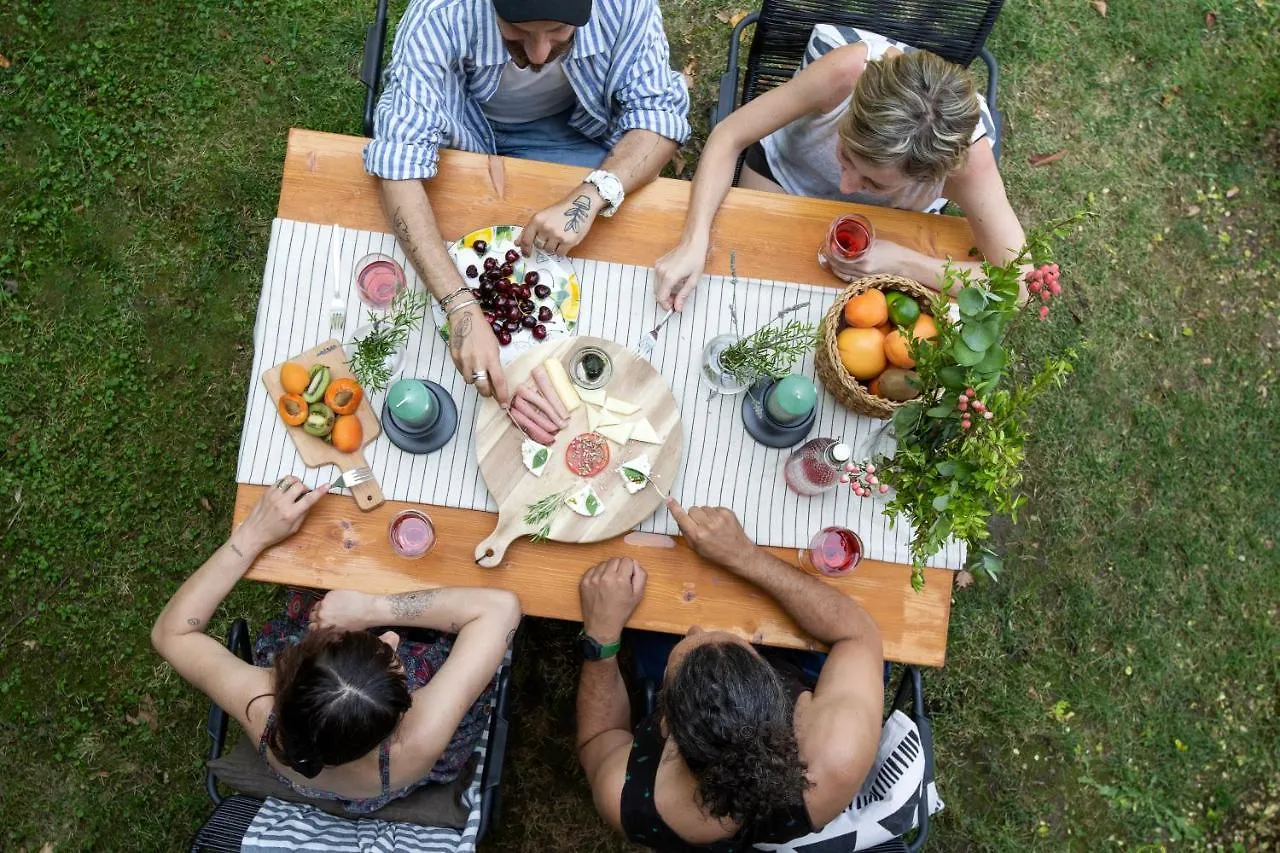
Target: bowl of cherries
(525, 300)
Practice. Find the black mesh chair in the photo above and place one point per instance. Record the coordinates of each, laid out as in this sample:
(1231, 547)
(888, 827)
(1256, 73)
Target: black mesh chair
(225, 828)
(909, 699)
(375, 38)
(956, 30)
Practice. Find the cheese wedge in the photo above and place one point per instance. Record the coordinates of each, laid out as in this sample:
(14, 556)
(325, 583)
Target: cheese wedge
(597, 418)
(585, 502)
(561, 382)
(621, 407)
(617, 433)
(594, 396)
(535, 456)
(643, 431)
(635, 474)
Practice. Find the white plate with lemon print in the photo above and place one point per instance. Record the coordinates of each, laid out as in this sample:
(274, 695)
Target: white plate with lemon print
(561, 301)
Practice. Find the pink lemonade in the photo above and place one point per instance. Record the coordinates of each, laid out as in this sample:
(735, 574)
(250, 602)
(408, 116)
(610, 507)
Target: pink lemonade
(833, 552)
(412, 534)
(379, 281)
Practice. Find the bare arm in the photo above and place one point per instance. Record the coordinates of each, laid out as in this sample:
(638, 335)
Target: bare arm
(179, 631)
(817, 88)
(471, 341)
(636, 160)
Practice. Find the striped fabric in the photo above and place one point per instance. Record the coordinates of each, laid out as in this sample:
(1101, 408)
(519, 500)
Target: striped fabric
(722, 465)
(294, 826)
(448, 59)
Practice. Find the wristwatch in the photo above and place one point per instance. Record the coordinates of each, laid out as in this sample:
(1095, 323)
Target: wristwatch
(593, 649)
(610, 189)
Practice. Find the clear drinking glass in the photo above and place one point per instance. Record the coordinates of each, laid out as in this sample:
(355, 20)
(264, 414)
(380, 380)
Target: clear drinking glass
(713, 374)
(379, 280)
(411, 533)
(833, 552)
(848, 239)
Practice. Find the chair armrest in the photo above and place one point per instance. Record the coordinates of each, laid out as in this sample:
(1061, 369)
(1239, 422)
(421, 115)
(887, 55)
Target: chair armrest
(238, 643)
(727, 99)
(490, 784)
(911, 689)
(993, 79)
(375, 38)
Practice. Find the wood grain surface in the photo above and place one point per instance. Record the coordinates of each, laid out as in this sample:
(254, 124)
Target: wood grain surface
(340, 547)
(774, 236)
(314, 451)
(514, 488)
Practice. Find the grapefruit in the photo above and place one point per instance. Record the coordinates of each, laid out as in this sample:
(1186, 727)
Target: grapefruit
(897, 349)
(861, 352)
(866, 310)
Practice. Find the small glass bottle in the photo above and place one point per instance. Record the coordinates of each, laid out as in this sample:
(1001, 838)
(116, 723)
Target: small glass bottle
(816, 466)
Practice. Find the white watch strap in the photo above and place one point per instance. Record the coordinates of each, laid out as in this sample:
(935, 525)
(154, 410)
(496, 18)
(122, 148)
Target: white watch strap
(610, 189)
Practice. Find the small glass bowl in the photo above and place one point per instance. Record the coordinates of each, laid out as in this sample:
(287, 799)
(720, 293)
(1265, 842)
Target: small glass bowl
(586, 372)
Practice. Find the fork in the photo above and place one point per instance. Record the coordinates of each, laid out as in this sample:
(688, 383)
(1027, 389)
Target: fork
(354, 477)
(338, 304)
(644, 349)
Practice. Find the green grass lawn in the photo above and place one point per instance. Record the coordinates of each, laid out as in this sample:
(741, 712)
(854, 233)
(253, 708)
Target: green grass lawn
(1116, 689)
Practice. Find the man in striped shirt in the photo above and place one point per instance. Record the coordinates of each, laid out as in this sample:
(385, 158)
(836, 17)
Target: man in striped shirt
(584, 82)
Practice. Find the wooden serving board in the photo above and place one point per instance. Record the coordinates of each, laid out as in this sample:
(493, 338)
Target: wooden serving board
(514, 488)
(316, 451)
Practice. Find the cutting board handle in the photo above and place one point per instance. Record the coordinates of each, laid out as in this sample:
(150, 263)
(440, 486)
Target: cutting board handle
(367, 494)
(490, 552)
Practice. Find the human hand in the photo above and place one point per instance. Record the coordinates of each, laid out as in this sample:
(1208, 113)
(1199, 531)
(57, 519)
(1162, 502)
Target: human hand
(882, 257)
(678, 272)
(560, 227)
(348, 609)
(714, 533)
(475, 350)
(610, 593)
(278, 513)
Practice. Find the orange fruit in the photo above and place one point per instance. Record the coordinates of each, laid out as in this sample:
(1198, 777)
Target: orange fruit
(347, 435)
(884, 328)
(874, 387)
(897, 350)
(861, 352)
(866, 310)
(925, 328)
(294, 377)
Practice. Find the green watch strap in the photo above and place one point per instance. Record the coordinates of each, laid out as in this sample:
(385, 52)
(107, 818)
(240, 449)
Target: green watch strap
(593, 649)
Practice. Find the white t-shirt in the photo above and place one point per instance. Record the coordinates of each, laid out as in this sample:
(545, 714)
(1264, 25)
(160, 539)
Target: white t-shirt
(527, 95)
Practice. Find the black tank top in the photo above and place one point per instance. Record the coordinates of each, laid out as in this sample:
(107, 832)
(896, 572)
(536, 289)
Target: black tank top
(641, 822)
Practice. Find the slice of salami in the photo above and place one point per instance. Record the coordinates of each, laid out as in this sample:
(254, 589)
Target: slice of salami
(588, 454)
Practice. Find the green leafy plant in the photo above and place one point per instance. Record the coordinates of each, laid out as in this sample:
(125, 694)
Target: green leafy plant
(961, 443)
(770, 350)
(389, 333)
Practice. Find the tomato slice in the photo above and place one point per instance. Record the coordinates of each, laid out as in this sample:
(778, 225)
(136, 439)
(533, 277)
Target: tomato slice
(292, 408)
(588, 454)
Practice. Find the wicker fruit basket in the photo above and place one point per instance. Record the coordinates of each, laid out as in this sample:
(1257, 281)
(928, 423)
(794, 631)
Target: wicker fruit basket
(851, 393)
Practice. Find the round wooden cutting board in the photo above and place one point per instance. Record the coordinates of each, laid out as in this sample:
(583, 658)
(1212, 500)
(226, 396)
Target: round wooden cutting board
(514, 488)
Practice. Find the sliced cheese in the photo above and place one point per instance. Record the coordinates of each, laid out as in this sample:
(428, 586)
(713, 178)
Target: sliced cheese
(622, 407)
(586, 502)
(561, 382)
(594, 396)
(617, 433)
(635, 474)
(535, 456)
(597, 418)
(644, 431)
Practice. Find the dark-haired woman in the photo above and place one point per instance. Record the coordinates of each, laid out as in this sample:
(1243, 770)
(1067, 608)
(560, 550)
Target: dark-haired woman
(343, 713)
(741, 751)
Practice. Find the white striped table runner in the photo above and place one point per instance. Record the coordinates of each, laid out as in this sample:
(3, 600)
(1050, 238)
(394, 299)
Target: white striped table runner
(723, 466)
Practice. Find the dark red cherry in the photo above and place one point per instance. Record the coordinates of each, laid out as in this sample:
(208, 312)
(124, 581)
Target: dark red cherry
(531, 277)
(522, 291)
(472, 272)
(504, 337)
(527, 307)
(480, 247)
(514, 314)
(497, 327)
(490, 264)
(544, 314)
(539, 331)
(512, 256)
(489, 316)
(506, 270)
(511, 325)
(542, 291)
(528, 322)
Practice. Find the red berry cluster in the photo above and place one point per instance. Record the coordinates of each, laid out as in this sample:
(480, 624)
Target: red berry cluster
(862, 479)
(969, 400)
(1043, 280)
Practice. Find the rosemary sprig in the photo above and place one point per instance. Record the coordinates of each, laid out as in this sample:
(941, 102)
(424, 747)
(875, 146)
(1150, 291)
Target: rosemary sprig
(390, 332)
(770, 350)
(541, 513)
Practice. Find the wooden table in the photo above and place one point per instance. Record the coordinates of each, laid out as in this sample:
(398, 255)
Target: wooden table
(774, 237)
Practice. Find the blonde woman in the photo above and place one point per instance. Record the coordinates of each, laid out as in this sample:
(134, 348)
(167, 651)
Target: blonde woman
(865, 120)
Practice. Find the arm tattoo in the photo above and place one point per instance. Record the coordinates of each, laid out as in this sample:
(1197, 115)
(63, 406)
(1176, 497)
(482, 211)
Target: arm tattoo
(193, 622)
(459, 331)
(405, 236)
(576, 213)
(406, 605)
(234, 548)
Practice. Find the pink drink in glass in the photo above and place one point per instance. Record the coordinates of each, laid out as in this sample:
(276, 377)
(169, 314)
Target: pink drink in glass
(411, 533)
(833, 552)
(379, 279)
(848, 239)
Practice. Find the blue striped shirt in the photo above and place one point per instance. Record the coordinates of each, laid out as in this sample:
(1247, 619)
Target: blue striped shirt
(448, 60)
